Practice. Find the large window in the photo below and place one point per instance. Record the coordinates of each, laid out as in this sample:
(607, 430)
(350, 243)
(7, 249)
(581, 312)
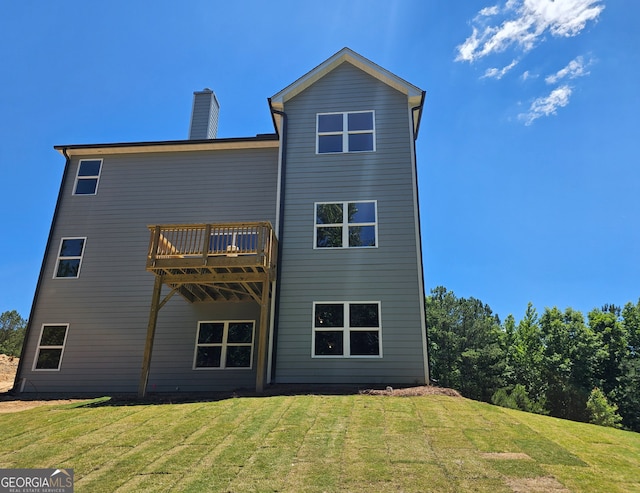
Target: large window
(51, 347)
(345, 225)
(345, 132)
(224, 345)
(87, 177)
(69, 257)
(350, 329)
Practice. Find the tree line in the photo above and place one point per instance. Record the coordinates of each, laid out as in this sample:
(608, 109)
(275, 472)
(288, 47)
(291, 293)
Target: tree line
(557, 363)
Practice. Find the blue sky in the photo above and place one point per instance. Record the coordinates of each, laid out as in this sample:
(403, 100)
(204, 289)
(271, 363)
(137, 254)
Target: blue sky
(527, 154)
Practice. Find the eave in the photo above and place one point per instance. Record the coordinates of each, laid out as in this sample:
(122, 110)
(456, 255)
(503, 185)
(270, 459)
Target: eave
(259, 142)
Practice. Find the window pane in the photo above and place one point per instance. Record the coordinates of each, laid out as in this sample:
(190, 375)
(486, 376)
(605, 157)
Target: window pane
(86, 186)
(362, 236)
(53, 335)
(360, 142)
(360, 121)
(210, 333)
(240, 332)
(49, 359)
(329, 237)
(329, 143)
(362, 212)
(329, 315)
(238, 357)
(89, 168)
(68, 268)
(72, 247)
(329, 214)
(364, 342)
(330, 123)
(208, 357)
(329, 343)
(363, 315)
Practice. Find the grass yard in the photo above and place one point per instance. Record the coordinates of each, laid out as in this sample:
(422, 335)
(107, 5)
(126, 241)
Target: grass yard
(315, 443)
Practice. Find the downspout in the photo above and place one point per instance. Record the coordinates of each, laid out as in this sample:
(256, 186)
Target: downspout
(422, 293)
(279, 229)
(15, 388)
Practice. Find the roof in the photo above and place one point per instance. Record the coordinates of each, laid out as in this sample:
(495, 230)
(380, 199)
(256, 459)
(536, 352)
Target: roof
(415, 95)
(259, 141)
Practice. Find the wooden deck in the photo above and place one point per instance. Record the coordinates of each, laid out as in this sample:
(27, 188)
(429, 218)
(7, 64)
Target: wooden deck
(214, 262)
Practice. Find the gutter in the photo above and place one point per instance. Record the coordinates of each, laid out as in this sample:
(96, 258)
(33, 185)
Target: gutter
(29, 329)
(279, 229)
(417, 191)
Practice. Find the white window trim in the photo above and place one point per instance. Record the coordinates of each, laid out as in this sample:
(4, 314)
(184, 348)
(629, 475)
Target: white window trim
(224, 345)
(40, 346)
(346, 330)
(58, 258)
(345, 131)
(344, 224)
(96, 177)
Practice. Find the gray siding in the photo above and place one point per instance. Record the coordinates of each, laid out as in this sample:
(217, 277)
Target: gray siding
(389, 273)
(107, 307)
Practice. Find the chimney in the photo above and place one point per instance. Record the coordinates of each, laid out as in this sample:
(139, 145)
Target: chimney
(204, 115)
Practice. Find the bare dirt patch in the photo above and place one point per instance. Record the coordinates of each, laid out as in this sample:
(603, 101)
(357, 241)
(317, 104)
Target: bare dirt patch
(8, 368)
(413, 391)
(542, 484)
(505, 455)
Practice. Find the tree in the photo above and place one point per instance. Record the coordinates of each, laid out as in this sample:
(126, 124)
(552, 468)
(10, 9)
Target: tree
(601, 412)
(465, 344)
(12, 330)
(570, 355)
(613, 346)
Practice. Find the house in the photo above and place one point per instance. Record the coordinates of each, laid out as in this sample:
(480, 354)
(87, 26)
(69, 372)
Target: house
(215, 264)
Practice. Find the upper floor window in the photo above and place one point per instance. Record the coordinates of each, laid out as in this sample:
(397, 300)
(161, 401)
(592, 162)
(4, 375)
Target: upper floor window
(346, 132)
(69, 257)
(224, 345)
(87, 177)
(345, 225)
(51, 347)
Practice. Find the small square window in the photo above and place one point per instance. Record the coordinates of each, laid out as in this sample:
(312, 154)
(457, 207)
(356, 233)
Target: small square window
(345, 225)
(69, 258)
(51, 347)
(345, 132)
(222, 345)
(88, 177)
(346, 329)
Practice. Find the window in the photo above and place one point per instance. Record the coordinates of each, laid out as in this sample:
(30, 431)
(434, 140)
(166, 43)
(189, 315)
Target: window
(345, 225)
(224, 345)
(88, 177)
(51, 347)
(346, 132)
(69, 257)
(346, 329)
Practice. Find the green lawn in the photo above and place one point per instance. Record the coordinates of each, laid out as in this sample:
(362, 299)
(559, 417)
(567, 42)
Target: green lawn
(315, 443)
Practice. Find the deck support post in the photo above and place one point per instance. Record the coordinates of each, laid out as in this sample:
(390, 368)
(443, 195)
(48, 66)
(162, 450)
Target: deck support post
(151, 332)
(262, 337)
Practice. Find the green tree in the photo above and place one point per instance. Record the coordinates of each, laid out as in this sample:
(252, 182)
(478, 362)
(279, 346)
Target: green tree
(613, 347)
(570, 356)
(12, 330)
(601, 412)
(465, 344)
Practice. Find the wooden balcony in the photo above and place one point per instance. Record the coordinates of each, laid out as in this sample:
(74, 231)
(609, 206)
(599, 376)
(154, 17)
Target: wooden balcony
(214, 262)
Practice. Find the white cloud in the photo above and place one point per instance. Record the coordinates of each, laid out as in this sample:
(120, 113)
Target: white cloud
(525, 23)
(498, 73)
(547, 105)
(576, 68)
(526, 75)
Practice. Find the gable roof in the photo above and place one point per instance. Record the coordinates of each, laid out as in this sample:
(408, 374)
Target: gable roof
(415, 95)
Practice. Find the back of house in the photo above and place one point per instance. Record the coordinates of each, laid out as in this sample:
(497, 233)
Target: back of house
(225, 263)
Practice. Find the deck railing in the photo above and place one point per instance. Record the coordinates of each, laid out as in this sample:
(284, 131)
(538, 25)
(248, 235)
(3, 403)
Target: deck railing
(206, 241)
